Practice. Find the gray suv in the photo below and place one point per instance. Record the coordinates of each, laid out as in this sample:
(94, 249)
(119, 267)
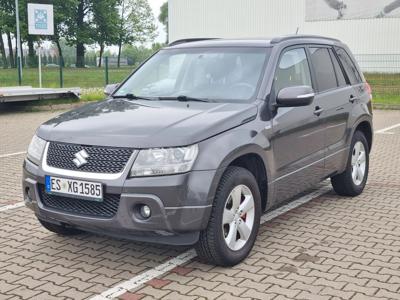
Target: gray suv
(203, 138)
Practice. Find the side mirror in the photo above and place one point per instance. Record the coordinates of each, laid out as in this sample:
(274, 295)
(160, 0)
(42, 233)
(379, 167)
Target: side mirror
(295, 96)
(110, 88)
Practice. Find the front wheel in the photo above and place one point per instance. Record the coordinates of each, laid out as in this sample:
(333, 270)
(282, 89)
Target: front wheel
(352, 181)
(234, 221)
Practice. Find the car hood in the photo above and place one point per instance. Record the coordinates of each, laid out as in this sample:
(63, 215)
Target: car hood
(144, 124)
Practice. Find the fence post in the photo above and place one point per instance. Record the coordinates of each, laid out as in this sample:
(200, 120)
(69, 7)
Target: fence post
(40, 66)
(19, 70)
(61, 72)
(106, 68)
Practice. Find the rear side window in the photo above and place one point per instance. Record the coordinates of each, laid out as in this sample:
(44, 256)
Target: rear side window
(348, 66)
(324, 71)
(339, 73)
(292, 70)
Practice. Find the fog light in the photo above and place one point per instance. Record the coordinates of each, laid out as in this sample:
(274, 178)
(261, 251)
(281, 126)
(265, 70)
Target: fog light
(145, 211)
(28, 197)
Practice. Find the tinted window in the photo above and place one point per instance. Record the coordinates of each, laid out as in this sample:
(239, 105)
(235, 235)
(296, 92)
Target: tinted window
(325, 74)
(292, 70)
(348, 66)
(339, 73)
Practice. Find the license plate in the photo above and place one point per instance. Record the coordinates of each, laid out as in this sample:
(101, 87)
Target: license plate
(74, 188)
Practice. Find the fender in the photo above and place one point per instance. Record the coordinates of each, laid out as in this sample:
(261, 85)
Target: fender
(231, 145)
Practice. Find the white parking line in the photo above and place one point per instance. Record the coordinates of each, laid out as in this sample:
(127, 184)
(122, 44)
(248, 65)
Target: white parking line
(385, 130)
(11, 206)
(12, 154)
(140, 279)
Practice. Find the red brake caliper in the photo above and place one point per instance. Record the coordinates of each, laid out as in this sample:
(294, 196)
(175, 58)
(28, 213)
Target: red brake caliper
(244, 216)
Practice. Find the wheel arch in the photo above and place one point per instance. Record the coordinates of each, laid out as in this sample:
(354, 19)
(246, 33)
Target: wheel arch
(366, 128)
(251, 158)
(363, 124)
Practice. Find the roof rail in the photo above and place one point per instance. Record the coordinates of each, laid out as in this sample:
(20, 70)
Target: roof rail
(183, 41)
(300, 36)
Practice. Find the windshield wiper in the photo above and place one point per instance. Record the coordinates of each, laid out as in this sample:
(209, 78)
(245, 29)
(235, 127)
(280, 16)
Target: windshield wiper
(183, 98)
(131, 96)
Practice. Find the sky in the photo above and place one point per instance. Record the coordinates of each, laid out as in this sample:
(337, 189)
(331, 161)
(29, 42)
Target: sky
(155, 6)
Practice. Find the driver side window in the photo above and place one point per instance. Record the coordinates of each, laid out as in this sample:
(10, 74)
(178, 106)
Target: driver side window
(293, 70)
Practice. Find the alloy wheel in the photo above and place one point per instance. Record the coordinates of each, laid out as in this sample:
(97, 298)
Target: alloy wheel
(238, 217)
(358, 163)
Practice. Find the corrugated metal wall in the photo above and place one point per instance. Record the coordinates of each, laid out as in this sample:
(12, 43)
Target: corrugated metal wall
(268, 18)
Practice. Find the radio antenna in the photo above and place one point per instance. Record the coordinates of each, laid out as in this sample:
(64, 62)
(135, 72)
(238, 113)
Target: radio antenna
(297, 30)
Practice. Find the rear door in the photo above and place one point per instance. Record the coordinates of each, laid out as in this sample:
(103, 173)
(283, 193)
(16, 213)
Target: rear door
(335, 95)
(298, 134)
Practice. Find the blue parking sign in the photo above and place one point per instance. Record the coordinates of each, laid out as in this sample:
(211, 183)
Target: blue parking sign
(40, 19)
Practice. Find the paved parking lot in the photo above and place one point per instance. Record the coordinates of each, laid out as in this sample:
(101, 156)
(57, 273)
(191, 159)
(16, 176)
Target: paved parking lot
(327, 248)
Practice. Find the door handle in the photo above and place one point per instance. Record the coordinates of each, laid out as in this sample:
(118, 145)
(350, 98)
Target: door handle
(318, 110)
(352, 98)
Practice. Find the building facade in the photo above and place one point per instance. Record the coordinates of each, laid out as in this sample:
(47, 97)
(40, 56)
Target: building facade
(373, 36)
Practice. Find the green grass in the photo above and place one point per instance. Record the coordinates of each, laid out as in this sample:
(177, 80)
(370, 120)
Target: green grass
(84, 78)
(387, 100)
(385, 88)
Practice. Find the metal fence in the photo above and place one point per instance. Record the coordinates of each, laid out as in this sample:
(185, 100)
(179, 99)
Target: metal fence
(381, 71)
(56, 75)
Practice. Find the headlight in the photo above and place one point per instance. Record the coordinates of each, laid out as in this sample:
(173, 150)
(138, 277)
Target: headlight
(35, 149)
(164, 161)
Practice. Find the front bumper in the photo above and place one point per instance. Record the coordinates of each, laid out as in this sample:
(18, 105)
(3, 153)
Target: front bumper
(180, 205)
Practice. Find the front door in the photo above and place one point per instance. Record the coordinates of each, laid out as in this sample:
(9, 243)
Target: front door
(298, 132)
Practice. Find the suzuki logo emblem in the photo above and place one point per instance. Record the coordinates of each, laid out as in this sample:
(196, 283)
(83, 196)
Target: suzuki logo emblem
(80, 158)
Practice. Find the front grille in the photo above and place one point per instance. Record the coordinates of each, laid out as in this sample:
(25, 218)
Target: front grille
(100, 160)
(104, 209)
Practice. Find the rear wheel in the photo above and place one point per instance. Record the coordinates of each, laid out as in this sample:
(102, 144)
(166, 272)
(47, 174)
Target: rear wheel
(234, 221)
(59, 229)
(352, 181)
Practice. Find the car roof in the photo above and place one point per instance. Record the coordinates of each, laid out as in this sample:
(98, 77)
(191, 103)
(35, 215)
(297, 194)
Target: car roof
(249, 42)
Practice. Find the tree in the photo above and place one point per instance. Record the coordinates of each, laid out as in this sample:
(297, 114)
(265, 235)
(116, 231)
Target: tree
(3, 51)
(163, 18)
(63, 12)
(136, 23)
(105, 22)
(136, 54)
(78, 28)
(82, 31)
(7, 25)
(2, 47)
(91, 21)
(10, 50)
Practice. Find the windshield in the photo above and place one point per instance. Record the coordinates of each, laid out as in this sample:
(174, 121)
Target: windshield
(215, 74)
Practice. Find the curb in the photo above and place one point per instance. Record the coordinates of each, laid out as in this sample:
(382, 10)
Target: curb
(386, 106)
(39, 108)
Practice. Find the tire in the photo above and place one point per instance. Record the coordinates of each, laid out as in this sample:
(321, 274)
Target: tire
(212, 246)
(345, 184)
(59, 229)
